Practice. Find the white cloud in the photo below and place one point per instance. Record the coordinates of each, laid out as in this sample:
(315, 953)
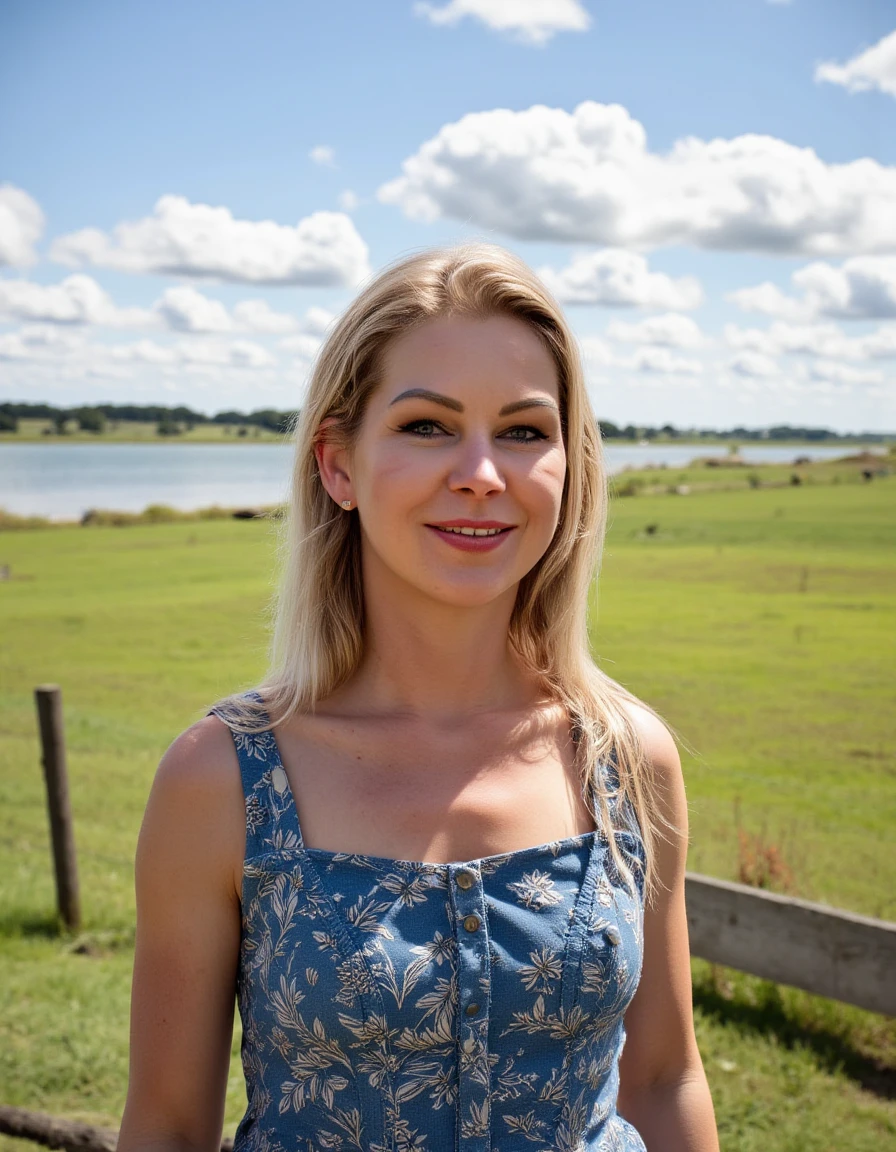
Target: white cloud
(532, 21)
(12, 347)
(143, 352)
(811, 339)
(670, 330)
(48, 338)
(596, 352)
(223, 354)
(844, 373)
(826, 340)
(873, 68)
(348, 200)
(662, 360)
(653, 359)
(77, 299)
(21, 226)
(317, 321)
(247, 354)
(754, 364)
(324, 155)
(879, 345)
(768, 300)
(783, 337)
(303, 347)
(752, 339)
(39, 342)
(187, 310)
(615, 278)
(863, 288)
(196, 240)
(588, 176)
(259, 316)
(68, 352)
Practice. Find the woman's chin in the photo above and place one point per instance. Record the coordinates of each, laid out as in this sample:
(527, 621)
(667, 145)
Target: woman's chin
(471, 594)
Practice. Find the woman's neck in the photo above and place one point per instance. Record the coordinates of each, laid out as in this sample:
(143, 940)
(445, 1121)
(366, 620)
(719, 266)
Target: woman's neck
(438, 661)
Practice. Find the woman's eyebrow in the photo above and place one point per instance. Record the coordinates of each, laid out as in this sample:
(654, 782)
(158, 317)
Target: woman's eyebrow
(426, 394)
(532, 402)
(456, 406)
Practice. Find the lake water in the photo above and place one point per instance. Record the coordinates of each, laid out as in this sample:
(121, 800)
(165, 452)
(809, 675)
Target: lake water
(63, 481)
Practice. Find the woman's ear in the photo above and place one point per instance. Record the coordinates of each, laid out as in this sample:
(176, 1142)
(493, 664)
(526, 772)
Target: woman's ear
(334, 462)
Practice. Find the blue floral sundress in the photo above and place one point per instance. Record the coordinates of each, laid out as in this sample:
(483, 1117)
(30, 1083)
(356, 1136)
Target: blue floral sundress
(399, 1006)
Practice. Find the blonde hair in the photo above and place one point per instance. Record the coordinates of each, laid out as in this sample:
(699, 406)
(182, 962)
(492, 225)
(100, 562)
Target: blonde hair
(319, 620)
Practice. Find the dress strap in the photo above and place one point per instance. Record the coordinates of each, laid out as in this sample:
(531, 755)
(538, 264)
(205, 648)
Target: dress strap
(624, 826)
(272, 822)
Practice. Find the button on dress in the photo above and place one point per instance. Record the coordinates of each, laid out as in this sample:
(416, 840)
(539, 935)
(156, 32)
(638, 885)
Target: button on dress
(404, 1006)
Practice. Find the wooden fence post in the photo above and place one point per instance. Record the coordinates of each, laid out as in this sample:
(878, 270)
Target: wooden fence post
(62, 831)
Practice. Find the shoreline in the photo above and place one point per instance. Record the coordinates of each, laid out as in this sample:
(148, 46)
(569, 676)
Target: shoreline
(707, 473)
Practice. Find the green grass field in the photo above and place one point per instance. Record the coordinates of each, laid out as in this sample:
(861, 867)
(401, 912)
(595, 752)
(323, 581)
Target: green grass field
(759, 622)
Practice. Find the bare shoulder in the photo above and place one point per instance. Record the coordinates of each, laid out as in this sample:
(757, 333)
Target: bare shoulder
(664, 763)
(658, 741)
(195, 814)
(202, 758)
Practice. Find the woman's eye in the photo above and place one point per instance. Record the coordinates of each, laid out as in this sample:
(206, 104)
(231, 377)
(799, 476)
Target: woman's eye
(425, 428)
(430, 429)
(524, 434)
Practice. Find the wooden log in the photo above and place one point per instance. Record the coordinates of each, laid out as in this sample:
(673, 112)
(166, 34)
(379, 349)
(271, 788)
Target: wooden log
(55, 1132)
(62, 831)
(811, 946)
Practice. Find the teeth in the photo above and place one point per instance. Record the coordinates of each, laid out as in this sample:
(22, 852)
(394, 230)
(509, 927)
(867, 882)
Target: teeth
(474, 531)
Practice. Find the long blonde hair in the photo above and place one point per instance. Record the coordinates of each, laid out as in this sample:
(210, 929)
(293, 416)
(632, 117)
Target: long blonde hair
(319, 619)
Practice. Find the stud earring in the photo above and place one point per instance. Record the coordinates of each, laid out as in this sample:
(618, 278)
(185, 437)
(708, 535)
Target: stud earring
(346, 504)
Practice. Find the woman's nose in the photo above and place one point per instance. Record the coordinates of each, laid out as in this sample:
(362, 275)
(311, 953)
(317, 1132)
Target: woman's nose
(476, 470)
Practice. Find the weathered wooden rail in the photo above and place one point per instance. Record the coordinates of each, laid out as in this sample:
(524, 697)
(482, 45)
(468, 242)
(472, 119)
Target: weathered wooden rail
(811, 946)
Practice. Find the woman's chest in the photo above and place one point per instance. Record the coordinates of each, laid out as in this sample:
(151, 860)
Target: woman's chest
(417, 797)
(495, 987)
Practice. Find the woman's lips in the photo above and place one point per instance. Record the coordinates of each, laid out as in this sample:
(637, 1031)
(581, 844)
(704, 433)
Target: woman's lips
(472, 536)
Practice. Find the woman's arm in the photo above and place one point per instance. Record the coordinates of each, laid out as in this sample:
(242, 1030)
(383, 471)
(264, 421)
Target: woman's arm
(663, 1089)
(189, 857)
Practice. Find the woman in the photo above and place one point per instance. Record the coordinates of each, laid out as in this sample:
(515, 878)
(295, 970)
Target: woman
(421, 851)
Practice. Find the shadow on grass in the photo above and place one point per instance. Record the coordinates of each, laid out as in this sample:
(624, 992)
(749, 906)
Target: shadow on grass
(769, 1015)
(28, 925)
(99, 941)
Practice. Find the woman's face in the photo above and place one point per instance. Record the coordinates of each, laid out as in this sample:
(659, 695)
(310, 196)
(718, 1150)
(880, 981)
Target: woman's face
(458, 469)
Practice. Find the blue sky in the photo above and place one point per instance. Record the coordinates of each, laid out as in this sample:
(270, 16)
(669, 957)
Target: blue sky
(191, 191)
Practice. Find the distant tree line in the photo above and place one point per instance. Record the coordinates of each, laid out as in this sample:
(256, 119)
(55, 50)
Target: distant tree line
(611, 431)
(173, 421)
(170, 421)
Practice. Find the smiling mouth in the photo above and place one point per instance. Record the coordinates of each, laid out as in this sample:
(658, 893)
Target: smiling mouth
(471, 531)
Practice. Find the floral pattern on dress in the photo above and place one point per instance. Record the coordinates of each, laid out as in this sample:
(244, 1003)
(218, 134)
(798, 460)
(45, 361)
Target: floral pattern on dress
(388, 1008)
